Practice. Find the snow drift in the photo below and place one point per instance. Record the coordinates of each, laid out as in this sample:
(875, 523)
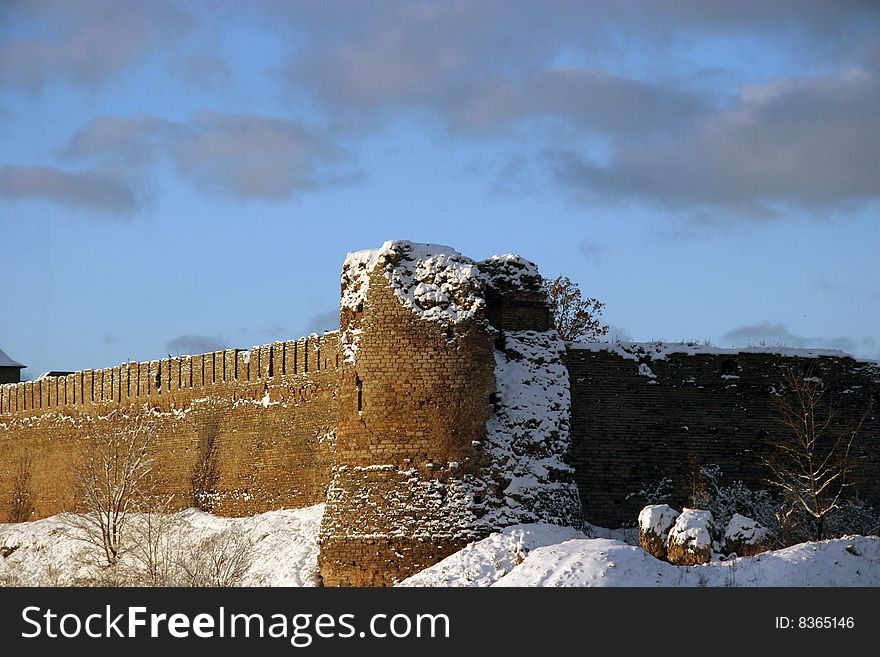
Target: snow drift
(285, 553)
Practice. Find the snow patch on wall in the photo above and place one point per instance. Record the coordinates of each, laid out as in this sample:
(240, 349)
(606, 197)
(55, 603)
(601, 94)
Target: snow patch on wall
(527, 437)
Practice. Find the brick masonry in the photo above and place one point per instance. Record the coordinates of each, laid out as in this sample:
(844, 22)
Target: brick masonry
(270, 413)
(411, 409)
(386, 422)
(630, 430)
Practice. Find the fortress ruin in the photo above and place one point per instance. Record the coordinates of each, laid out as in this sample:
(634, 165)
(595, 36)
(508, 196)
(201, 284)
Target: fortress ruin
(445, 407)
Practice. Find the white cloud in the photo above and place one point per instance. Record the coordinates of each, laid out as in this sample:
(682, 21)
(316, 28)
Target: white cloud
(195, 344)
(93, 191)
(768, 333)
(84, 42)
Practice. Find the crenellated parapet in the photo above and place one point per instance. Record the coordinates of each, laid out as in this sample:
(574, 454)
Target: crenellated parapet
(265, 417)
(172, 381)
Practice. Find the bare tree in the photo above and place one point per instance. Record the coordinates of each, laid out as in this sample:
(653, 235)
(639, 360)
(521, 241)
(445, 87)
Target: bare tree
(114, 481)
(20, 507)
(575, 317)
(811, 459)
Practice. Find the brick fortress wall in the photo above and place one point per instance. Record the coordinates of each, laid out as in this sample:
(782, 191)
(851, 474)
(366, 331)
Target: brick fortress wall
(432, 452)
(414, 399)
(639, 416)
(441, 411)
(265, 419)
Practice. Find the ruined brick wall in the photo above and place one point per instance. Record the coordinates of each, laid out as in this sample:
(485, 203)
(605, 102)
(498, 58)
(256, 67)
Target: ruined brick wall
(637, 419)
(515, 296)
(445, 407)
(414, 398)
(418, 419)
(441, 437)
(265, 418)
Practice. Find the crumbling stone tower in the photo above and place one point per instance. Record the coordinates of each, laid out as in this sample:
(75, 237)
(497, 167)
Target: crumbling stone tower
(430, 453)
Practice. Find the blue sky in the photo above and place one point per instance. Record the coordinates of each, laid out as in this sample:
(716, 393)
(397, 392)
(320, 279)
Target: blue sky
(180, 176)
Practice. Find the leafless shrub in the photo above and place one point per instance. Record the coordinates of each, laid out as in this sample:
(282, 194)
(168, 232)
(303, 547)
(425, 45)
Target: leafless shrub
(154, 547)
(113, 481)
(10, 578)
(725, 500)
(855, 516)
(219, 560)
(101, 578)
(49, 575)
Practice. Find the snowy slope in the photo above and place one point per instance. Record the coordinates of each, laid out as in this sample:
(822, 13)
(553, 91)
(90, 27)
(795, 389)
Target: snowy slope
(286, 551)
(285, 547)
(850, 561)
(483, 562)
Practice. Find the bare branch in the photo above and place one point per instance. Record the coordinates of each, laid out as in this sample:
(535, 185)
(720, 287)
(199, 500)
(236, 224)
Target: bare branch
(811, 457)
(114, 480)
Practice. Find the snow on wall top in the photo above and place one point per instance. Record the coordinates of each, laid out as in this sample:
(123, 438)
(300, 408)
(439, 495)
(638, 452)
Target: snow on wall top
(434, 281)
(356, 276)
(511, 271)
(660, 350)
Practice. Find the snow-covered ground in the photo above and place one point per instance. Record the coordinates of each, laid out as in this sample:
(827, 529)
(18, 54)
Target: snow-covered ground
(284, 547)
(532, 555)
(285, 553)
(483, 563)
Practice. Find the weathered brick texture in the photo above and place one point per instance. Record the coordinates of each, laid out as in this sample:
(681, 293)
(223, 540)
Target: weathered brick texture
(413, 409)
(630, 431)
(386, 421)
(269, 412)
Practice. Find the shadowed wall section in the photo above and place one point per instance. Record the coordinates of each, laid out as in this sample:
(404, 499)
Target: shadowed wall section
(642, 413)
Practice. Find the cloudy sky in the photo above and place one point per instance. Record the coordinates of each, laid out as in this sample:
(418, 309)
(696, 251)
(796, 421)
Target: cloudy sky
(177, 177)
